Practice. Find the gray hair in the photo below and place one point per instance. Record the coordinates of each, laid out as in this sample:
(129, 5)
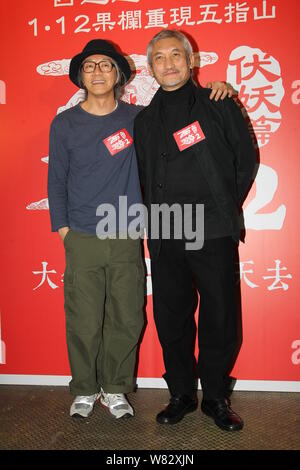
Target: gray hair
(120, 81)
(170, 33)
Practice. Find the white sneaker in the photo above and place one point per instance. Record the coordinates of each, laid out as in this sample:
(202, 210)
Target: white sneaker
(83, 405)
(117, 404)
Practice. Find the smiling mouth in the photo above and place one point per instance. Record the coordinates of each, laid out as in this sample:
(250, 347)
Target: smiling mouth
(171, 72)
(98, 82)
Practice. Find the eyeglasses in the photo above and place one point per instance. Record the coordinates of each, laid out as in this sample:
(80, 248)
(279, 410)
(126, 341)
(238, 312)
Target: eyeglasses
(90, 66)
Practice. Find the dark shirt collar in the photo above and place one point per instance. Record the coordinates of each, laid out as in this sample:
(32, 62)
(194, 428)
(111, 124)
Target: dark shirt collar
(182, 95)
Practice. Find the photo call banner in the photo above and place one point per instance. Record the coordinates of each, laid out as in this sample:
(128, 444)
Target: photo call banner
(250, 44)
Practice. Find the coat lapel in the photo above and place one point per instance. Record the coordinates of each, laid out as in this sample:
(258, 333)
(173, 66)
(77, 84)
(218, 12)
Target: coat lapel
(155, 125)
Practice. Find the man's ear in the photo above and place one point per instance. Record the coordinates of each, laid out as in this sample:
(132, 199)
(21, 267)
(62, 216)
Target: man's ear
(192, 61)
(150, 70)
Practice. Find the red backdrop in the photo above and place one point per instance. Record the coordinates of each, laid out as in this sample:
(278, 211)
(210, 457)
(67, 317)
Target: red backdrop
(251, 44)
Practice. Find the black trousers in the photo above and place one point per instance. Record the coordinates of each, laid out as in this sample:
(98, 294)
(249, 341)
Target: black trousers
(177, 275)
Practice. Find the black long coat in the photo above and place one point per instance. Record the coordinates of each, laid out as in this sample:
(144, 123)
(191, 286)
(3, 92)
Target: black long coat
(226, 155)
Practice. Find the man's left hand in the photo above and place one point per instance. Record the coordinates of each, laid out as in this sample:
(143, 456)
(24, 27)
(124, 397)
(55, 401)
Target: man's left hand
(220, 90)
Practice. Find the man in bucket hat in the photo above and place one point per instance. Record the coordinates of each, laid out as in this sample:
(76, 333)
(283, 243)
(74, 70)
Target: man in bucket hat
(92, 161)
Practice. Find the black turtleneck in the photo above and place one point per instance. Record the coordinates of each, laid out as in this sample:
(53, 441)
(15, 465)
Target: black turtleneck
(185, 183)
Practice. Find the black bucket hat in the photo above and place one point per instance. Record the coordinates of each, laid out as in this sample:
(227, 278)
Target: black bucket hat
(98, 46)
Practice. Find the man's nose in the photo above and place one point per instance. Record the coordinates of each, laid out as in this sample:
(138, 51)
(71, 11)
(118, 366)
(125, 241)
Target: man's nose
(169, 63)
(97, 69)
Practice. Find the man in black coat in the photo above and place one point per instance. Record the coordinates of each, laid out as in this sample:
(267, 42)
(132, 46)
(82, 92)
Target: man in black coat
(193, 152)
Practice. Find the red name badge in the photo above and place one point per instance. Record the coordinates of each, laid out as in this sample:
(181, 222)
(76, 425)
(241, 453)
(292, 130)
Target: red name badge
(118, 141)
(189, 135)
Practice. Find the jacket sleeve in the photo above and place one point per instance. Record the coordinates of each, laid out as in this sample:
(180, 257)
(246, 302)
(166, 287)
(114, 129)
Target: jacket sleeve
(139, 151)
(239, 138)
(57, 181)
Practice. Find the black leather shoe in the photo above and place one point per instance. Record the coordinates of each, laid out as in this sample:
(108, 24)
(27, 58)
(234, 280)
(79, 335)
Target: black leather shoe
(178, 407)
(223, 415)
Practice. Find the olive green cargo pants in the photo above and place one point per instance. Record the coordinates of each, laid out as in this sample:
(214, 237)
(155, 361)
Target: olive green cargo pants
(104, 298)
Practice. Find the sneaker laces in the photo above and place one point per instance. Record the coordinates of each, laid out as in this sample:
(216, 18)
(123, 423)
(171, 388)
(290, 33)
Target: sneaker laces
(87, 399)
(116, 400)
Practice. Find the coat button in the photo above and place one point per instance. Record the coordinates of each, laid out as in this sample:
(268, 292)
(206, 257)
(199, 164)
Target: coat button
(163, 155)
(159, 185)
